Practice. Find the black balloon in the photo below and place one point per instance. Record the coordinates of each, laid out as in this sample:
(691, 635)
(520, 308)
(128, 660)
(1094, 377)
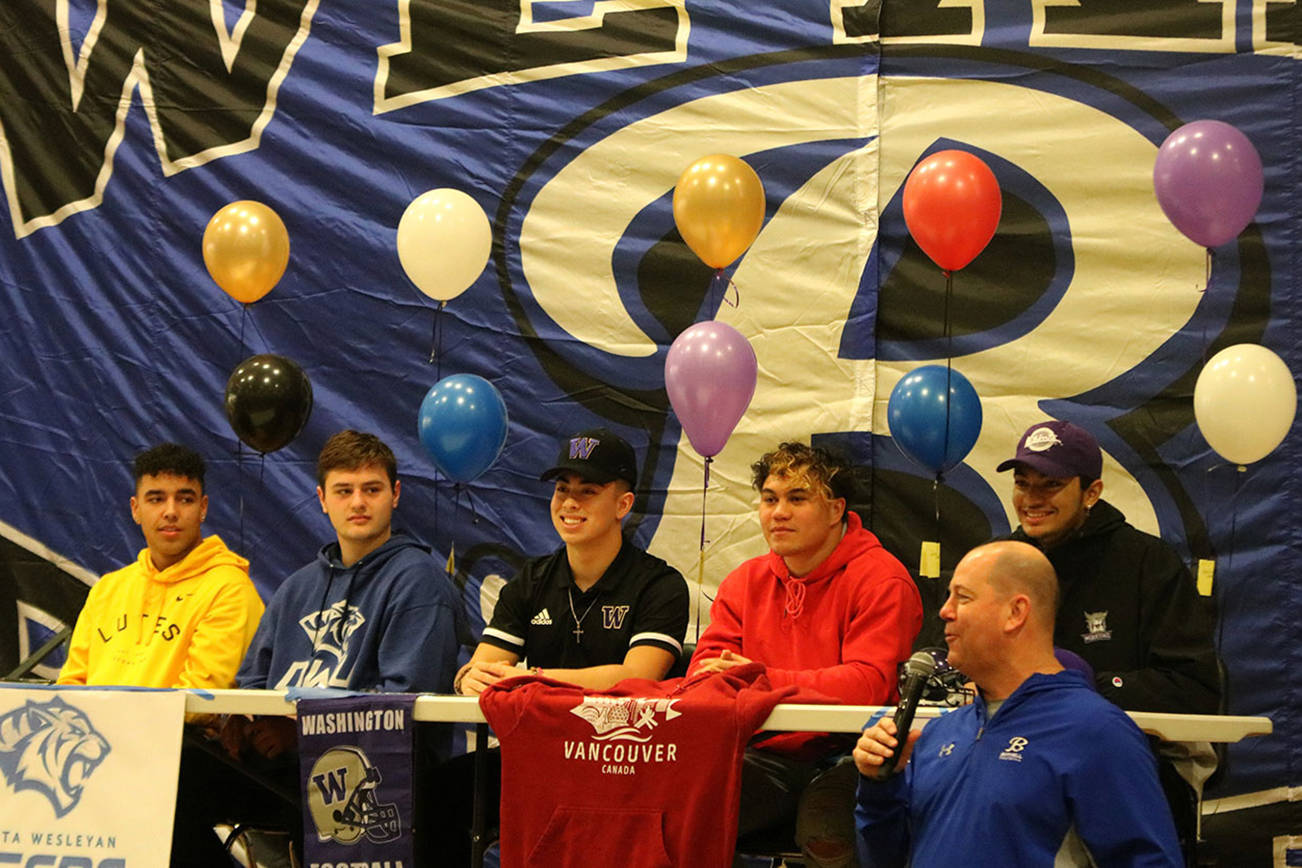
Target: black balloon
(268, 400)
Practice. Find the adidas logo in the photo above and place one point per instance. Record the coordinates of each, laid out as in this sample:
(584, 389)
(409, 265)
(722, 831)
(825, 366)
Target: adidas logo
(542, 619)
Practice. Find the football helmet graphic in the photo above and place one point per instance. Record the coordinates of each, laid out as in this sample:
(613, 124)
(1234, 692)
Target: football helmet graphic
(341, 799)
(946, 686)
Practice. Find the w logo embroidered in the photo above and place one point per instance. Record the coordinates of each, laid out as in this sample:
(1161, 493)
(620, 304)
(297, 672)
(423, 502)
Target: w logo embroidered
(581, 447)
(612, 617)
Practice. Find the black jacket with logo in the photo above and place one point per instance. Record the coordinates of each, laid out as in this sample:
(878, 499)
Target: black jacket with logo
(1130, 607)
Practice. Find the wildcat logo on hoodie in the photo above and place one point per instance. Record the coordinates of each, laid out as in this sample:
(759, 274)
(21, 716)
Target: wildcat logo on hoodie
(330, 631)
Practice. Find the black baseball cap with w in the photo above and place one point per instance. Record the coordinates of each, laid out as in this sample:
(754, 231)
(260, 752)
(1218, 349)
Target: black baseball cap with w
(596, 455)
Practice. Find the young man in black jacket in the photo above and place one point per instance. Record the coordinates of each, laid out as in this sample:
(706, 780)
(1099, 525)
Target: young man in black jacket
(1128, 604)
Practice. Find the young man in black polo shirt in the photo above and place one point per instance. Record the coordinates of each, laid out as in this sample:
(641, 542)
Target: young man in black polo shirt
(593, 612)
(598, 609)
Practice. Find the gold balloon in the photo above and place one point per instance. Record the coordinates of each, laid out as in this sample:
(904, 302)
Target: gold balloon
(719, 208)
(246, 249)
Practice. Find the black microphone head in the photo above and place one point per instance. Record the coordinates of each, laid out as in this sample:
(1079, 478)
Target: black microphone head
(921, 664)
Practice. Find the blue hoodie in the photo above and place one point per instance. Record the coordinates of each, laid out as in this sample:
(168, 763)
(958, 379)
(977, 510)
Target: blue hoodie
(385, 623)
(1012, 788)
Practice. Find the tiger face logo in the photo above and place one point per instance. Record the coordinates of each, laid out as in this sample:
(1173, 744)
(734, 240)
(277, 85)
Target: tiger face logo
(52, 748)
(330, 630)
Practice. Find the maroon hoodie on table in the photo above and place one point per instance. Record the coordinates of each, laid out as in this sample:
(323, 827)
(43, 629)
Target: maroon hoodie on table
(643, 775)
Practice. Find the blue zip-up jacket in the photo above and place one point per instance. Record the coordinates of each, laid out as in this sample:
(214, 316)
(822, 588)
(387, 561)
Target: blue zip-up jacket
(386, 623)
(1058, 772)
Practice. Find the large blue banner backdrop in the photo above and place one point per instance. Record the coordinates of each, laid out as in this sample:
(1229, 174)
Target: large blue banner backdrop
(126, 125)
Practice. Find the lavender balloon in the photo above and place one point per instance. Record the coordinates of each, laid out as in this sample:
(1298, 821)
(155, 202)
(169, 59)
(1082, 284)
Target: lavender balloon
(1208, 181)
(710, 376)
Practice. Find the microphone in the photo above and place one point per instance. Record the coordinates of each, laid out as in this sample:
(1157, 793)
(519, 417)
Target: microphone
(917, 669)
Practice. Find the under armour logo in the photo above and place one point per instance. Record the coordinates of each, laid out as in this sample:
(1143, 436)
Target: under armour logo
(947, 749)
(581, 447)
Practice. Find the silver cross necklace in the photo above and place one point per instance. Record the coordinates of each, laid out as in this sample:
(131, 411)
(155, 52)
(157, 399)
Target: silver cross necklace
(578, 619)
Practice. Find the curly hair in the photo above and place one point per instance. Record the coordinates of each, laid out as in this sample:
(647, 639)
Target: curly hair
(352, 450)
(169, 459)
(825, 470)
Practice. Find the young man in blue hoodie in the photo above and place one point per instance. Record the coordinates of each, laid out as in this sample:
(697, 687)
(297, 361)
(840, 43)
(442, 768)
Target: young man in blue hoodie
(1039, 770)
(373, 611)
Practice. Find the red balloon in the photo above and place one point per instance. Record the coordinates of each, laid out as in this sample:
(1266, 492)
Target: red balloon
(951, 206)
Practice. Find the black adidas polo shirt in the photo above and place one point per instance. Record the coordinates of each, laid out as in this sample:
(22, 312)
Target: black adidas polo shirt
(639, 600)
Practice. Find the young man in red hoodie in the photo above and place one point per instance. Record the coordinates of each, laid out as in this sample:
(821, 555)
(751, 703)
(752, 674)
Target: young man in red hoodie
(827, 609)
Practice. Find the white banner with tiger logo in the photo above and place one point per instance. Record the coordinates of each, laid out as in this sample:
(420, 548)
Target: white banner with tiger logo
(88, 776)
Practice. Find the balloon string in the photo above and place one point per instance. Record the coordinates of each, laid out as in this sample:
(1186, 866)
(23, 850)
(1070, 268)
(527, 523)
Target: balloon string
(700, 589)
(456, 504)
(239, 444)
(1207, 280)
(721, 284)
(935, 499)
(239, 476)
(949, 370)
(704, 488)
(436, 343)
(700, 560)
(470, 501)
(949, 332)
(262, 466)
(456, 497)
(436, 507)
(735, 301)
(1229, 556)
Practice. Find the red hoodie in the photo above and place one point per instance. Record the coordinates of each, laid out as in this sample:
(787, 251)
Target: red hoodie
(838, 633)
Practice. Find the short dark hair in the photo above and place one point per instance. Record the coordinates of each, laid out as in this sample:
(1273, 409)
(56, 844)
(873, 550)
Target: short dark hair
(350, 450)
(169, 459)
(824, 468)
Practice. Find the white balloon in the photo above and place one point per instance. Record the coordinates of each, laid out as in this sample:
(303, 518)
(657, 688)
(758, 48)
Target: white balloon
(1244, 401)
(444, 239)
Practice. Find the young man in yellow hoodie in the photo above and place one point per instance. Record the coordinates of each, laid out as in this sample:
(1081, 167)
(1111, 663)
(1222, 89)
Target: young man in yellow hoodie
(182, 614)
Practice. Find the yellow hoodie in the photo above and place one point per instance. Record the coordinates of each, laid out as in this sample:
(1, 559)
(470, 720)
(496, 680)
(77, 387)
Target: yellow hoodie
(186, 626)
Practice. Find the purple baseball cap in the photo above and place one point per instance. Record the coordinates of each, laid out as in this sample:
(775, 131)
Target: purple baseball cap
(1058, 449)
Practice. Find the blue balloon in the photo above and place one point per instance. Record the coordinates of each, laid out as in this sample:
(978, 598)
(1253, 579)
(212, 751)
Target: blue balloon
(462, 425)
(930, 430)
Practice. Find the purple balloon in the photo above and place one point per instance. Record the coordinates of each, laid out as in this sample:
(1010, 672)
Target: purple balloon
(1208, 181)
(710, 376)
